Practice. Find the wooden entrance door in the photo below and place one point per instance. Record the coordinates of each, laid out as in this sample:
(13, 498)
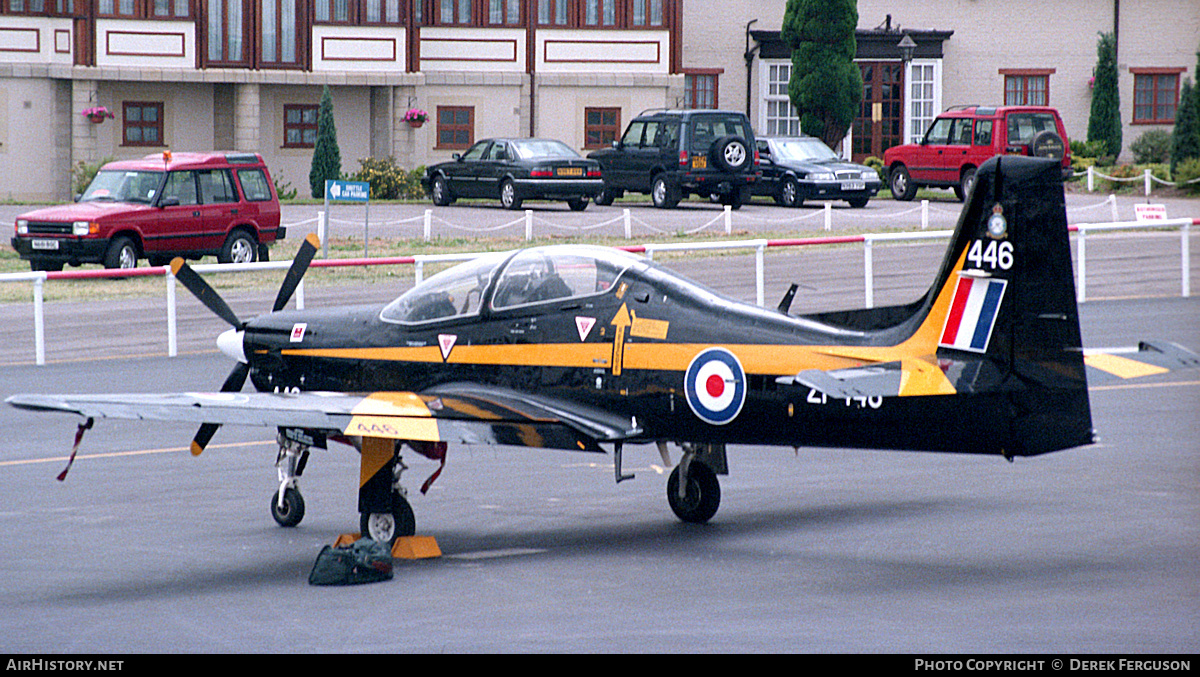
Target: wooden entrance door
(880, 121)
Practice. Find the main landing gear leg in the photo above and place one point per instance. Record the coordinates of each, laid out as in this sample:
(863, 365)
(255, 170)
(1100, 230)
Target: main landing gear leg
(287, 505)
(385, 514)
(693, 490)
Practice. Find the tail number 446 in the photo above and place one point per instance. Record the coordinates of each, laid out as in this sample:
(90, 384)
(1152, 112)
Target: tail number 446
(993, 255)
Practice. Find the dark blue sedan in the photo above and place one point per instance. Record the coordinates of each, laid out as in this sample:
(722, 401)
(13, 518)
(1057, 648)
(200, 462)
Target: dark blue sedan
(515, 170)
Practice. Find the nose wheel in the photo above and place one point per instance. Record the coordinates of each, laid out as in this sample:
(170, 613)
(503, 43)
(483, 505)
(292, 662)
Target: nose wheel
(287, 505)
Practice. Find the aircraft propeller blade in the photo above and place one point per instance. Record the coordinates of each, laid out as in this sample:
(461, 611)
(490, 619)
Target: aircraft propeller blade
(233, 383)
(201, 290)
(308, 249)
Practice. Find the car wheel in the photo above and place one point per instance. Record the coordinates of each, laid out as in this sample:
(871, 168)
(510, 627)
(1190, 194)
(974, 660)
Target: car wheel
(122, 253)
(578, 204)
(440, 192)
(859, 202)
(239, 247)
(605, 197)
(663, 194)
(789, 193)
(508, 195)
(730, 153)
(965, 184)
(901, 184)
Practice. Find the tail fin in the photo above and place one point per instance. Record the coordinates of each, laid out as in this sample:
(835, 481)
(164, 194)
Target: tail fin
(1004, 306)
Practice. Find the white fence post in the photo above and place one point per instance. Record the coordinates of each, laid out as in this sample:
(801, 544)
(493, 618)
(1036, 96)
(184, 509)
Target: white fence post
(828, 215)
(1112, 200)
(1185, 259)
(924, 214)
(39, 320)
(323, 234)
(528, 225)
(868, 271)
(628, 225)
(758, 271)
(172, 317)
(1081, 286)
(428, 223)
(1091, 179)
(1147, 183)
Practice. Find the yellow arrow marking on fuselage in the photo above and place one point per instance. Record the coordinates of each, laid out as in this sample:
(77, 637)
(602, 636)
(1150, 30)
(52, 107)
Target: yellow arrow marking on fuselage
(621, 321)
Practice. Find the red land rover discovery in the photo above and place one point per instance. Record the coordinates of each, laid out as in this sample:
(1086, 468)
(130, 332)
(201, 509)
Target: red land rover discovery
(159, 207)
(962, 138)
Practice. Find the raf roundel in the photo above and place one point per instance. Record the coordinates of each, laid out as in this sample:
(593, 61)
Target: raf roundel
(715, 385)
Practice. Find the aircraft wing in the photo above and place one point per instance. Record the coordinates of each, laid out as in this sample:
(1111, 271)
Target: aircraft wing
(465, 413)
(1148, 358)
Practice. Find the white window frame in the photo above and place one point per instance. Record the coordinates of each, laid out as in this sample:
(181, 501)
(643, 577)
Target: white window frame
(769, 124)
(914, 124)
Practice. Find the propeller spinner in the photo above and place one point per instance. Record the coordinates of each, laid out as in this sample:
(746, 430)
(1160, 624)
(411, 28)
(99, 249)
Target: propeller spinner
(230, 342)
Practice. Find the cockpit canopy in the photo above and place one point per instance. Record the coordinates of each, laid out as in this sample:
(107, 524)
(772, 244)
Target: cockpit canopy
(505, 280)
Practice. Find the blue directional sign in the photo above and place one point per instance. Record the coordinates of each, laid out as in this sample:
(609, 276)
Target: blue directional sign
(348, 191)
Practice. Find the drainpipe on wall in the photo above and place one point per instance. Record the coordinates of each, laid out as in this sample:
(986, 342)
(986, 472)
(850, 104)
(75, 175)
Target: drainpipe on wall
(748, 55)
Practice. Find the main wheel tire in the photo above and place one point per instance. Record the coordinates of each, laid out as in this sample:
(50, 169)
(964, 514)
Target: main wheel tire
(965, 184)
(901, 183)
(439, 192)
(508, 195)
(663, 194)
(239, 247)
(388, 526)
(731, 153)
(789, 193)
(605, 197)
(293, 507)
(121, 253)
(701, 498)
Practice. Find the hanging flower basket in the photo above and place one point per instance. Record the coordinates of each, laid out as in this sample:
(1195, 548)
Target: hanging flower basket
(97, 114)
(415, 117)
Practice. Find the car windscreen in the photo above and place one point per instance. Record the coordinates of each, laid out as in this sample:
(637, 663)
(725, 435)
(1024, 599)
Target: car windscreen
(804, 150)
(1022, 127)
(123, 186)
(538, 148)
(708, 128)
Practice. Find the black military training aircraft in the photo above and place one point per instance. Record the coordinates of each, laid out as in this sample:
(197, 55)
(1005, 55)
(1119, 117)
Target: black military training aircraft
(577, 347)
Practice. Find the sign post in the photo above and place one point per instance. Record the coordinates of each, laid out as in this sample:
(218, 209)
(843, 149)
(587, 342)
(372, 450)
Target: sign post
(348, 191)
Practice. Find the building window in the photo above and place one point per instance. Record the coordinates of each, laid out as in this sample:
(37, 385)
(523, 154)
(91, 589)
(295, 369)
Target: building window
(452, 13)
(504, 12)
(278, 26)
(141, 123)
(779, 116)
(647, 12)
(332, 12)
(383, 11)
(600, 12)
(922, 99)
(1027, 87)
(299, 125)
(601, 126)
(552, 12)
(455, 126)
(136, 9)
(1155, 95)
(700, 88)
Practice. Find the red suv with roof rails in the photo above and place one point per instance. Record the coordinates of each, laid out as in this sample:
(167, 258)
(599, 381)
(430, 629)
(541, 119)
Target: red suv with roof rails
(159, 207)
(962, 138)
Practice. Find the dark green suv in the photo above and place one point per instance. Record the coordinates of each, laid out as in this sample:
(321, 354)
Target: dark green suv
(671, 154)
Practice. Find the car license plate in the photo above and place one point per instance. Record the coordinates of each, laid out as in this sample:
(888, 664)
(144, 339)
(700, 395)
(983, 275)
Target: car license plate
(570, 171)
(854, 185)
(699, 162)
(45, 245)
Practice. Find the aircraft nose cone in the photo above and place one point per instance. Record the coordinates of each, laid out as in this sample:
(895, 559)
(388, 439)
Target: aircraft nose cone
(231, 342)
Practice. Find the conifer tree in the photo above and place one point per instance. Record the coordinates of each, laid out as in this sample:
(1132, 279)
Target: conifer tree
(327, 158)
(1104, 123)
(826, 85)
(1185, 137)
